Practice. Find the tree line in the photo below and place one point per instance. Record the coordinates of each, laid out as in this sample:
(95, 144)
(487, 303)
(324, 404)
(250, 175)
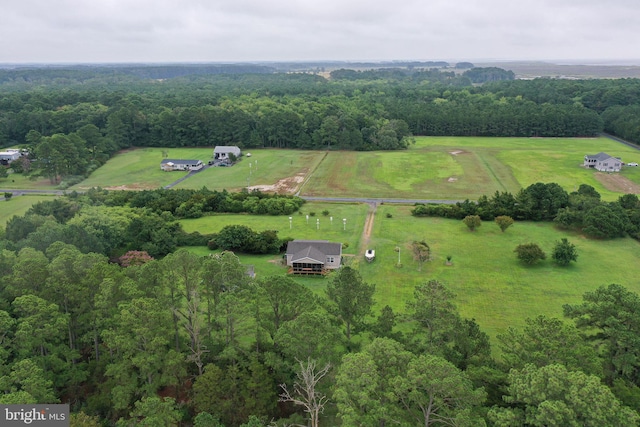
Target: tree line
(581, 210)
(111, 223)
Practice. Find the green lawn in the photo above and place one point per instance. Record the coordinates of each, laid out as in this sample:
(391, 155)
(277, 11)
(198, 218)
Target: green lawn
(140, 169)
(18, 205)
(16, 181)
(319, 227)
(264, 167)
(491, 285)
(459, 168)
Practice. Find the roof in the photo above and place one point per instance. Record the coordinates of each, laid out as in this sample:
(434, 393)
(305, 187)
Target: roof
(180, 161)
(313, 249)
(227, 149)
(600, 156)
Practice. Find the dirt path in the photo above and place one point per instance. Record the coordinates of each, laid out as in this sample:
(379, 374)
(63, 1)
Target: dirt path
(368, 227)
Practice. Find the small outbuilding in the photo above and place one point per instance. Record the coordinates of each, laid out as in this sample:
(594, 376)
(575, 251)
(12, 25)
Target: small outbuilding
(313, 256)
(603, 162)
(169, 165)
(223, 152)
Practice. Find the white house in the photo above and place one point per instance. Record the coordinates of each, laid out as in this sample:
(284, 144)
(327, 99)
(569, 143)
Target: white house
(168, 165)
(221, 152)
(9, 155)
(603, 162)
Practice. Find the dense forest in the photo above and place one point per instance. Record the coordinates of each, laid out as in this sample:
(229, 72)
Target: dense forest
(74, 120)
(181, 339)
(100, 309)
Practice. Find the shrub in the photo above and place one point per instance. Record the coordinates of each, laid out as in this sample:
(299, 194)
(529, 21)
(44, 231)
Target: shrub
(504, 222)
(472, 221)
(530, 253)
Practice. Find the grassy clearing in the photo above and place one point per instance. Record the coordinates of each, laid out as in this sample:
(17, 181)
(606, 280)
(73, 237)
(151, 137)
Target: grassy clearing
(264, 167)
(140, 169)
(460, 168)
(491, 285)
(18, 205)
(16, 181)
(334, 231)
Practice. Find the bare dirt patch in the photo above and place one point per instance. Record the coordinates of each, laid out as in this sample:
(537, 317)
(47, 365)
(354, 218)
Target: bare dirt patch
(132, 187)
(618, 183)
(288, 185)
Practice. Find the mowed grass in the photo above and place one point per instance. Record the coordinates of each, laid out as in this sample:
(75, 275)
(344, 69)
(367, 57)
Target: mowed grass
(319, 227)
(491, 285)
(264, 167)
(16, 181)
(457, 168)
(18, 205)
(139, 169)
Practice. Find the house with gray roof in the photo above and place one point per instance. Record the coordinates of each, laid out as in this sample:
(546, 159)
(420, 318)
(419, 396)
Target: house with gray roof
(169, 165)
(313, 256)
(603, 162)
(222, 152)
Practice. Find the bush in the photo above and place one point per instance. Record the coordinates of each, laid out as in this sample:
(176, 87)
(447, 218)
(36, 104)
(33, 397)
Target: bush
(530, 253)
(564, 252)
(504, 222)
(472, 221)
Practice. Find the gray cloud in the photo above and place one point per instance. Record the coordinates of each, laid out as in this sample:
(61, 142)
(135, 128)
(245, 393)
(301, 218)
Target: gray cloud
(252, 30)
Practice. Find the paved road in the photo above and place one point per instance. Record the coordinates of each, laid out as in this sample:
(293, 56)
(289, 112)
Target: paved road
(622, 141)
(370, 200)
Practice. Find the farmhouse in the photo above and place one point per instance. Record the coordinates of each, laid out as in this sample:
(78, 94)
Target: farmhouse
(222, 152)
(169, 165)
(603, 162)
(9, 155)
(313, 256)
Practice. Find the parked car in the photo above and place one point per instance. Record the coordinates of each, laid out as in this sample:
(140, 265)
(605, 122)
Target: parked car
(632, 164)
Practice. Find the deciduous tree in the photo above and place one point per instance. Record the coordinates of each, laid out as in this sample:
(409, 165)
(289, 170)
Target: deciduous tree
(529, 253)
(504, 222)
(421, 252)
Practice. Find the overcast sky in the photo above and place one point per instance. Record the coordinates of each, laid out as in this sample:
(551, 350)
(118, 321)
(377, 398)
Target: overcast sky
(47, 31)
